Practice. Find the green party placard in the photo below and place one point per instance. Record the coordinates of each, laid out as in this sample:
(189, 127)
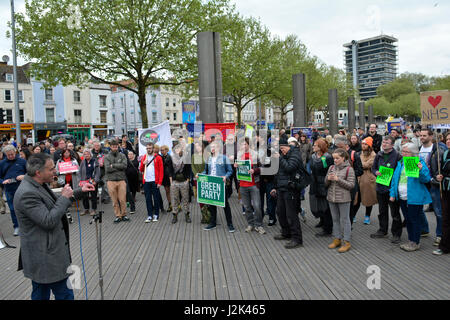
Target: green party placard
(411, 168)
(386, 176)
(243, 169)
(211, 190)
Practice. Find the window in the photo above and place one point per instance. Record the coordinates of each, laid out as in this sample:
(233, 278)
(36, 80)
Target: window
(9, 77)
(103, 116)
(76, 96)
(123, 117)
(174, 102)
(20, 95)
(153, 99)
(50, 115)
(102, 101)
(167, 102)
(49, 94)
(154, 116)
(174, 116)
(77, 115)
(167, 115)
(9, 116)
(114, 118)
(8, 95)
(22, 115)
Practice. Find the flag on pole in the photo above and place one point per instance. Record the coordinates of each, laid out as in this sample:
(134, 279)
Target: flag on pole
(159, 135)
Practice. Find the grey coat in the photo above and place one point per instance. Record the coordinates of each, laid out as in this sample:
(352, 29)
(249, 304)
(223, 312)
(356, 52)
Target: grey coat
(44, 232)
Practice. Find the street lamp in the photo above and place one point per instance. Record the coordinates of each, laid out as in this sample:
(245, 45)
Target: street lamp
(16, 84)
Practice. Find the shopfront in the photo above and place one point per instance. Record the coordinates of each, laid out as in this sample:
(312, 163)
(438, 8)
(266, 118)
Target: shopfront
(8, 131)
(46, 130)
(100, 130)
(79, 131)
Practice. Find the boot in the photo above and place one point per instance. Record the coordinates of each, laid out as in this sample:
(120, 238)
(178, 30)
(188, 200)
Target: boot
(336, 243)
(175, 218)
(345, 247)
(170, 208)
(188, 219)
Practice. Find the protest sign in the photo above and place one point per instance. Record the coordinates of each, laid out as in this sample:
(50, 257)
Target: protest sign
(211, 190)
(435, 107)
(411, 168)
(159, 135)
(386, 176)
(67, 167)
(243, 169)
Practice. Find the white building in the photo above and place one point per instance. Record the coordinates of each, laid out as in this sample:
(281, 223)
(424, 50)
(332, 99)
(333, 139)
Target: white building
(171, 106)
(101, 113)
(77, 102)
(7, 100)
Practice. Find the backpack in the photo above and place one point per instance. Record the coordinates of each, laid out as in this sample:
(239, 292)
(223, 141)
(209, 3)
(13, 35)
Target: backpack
(301, 179)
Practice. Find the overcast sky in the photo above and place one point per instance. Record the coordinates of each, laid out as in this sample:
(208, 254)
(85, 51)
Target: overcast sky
(422, 27)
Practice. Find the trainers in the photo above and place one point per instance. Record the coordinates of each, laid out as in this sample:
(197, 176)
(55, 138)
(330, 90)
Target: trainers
(424, 234)
(132, 212)
(354, 219)
(438, 252)
(249, 229)
(281, 237)
(323, 234)
(209, 227)
(367, 220)
(16, 232)
(437, 241)
(410, 246)
(293, 244)
(378, 234)
(395, 239)
(92, 213)
(126, 219)
(260, 230)
(231, 229)
(84, 213)
(149, 219)
(117, 220)
(271, 223)
(155, 219)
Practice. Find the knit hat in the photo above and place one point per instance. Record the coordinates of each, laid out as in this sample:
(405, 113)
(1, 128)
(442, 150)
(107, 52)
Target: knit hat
(283, 142)
(292, 139)
(368, 141)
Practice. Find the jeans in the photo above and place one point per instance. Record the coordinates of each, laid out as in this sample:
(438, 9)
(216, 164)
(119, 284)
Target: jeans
(251, 201)
(437, 208)
(59, 289)
(342, 228)
(10, 199)
(93, 196)
(384, 204)
(413, 221)
(264, 190)
(287, 213)
(152, 198)
(227, 210)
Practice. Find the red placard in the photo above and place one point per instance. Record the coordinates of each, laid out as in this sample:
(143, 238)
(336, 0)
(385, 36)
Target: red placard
(67, 167)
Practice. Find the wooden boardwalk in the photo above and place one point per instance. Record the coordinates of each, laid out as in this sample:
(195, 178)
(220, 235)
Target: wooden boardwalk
(183, 262)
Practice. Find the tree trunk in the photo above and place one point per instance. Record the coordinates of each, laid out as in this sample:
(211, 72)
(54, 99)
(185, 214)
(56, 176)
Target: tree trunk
(239, 111)
(143, 106)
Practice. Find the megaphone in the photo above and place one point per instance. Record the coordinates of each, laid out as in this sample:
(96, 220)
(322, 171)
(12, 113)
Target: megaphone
(3, 243)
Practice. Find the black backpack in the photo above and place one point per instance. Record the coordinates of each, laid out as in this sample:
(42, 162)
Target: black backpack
(301, 179)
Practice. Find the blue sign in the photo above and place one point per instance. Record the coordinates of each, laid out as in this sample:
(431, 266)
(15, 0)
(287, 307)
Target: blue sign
(189, 111)
(299, 130)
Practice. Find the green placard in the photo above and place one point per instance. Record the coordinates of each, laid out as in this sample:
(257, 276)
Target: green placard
(211, 190)
(411, 168)
(386, 176)
(242, 170)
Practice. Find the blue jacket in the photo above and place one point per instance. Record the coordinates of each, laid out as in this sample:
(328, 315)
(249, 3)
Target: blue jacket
(418, 193)
(223, 167)
(17, 169)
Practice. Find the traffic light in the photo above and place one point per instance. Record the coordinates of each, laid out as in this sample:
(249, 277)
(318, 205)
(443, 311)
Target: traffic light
(2, 115)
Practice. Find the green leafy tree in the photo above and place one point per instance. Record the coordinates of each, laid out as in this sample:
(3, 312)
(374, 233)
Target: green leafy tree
(249, 56)
(148, 42)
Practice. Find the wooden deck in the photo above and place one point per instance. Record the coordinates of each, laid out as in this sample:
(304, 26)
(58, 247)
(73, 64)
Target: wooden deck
(183, 262)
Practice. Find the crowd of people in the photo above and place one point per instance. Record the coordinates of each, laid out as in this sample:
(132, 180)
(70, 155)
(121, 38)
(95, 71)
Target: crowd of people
(341, 171)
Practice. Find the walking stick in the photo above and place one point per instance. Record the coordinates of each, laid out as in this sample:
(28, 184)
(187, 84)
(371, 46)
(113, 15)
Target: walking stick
(98, 235)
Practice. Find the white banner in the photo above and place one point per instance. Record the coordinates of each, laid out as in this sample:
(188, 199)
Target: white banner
(159, 135)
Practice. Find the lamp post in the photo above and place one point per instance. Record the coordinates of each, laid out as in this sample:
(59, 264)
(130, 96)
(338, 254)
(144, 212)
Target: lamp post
(16, 84)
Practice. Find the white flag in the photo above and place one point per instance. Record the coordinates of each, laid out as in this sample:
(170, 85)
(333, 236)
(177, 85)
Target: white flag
(159, 135)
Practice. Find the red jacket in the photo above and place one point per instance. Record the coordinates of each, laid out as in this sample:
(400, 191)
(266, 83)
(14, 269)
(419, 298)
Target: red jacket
(159, 169)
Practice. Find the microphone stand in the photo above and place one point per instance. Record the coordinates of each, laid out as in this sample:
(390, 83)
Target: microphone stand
(97, 218)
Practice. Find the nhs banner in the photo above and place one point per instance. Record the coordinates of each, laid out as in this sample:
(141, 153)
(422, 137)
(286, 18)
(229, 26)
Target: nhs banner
(159, 135)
